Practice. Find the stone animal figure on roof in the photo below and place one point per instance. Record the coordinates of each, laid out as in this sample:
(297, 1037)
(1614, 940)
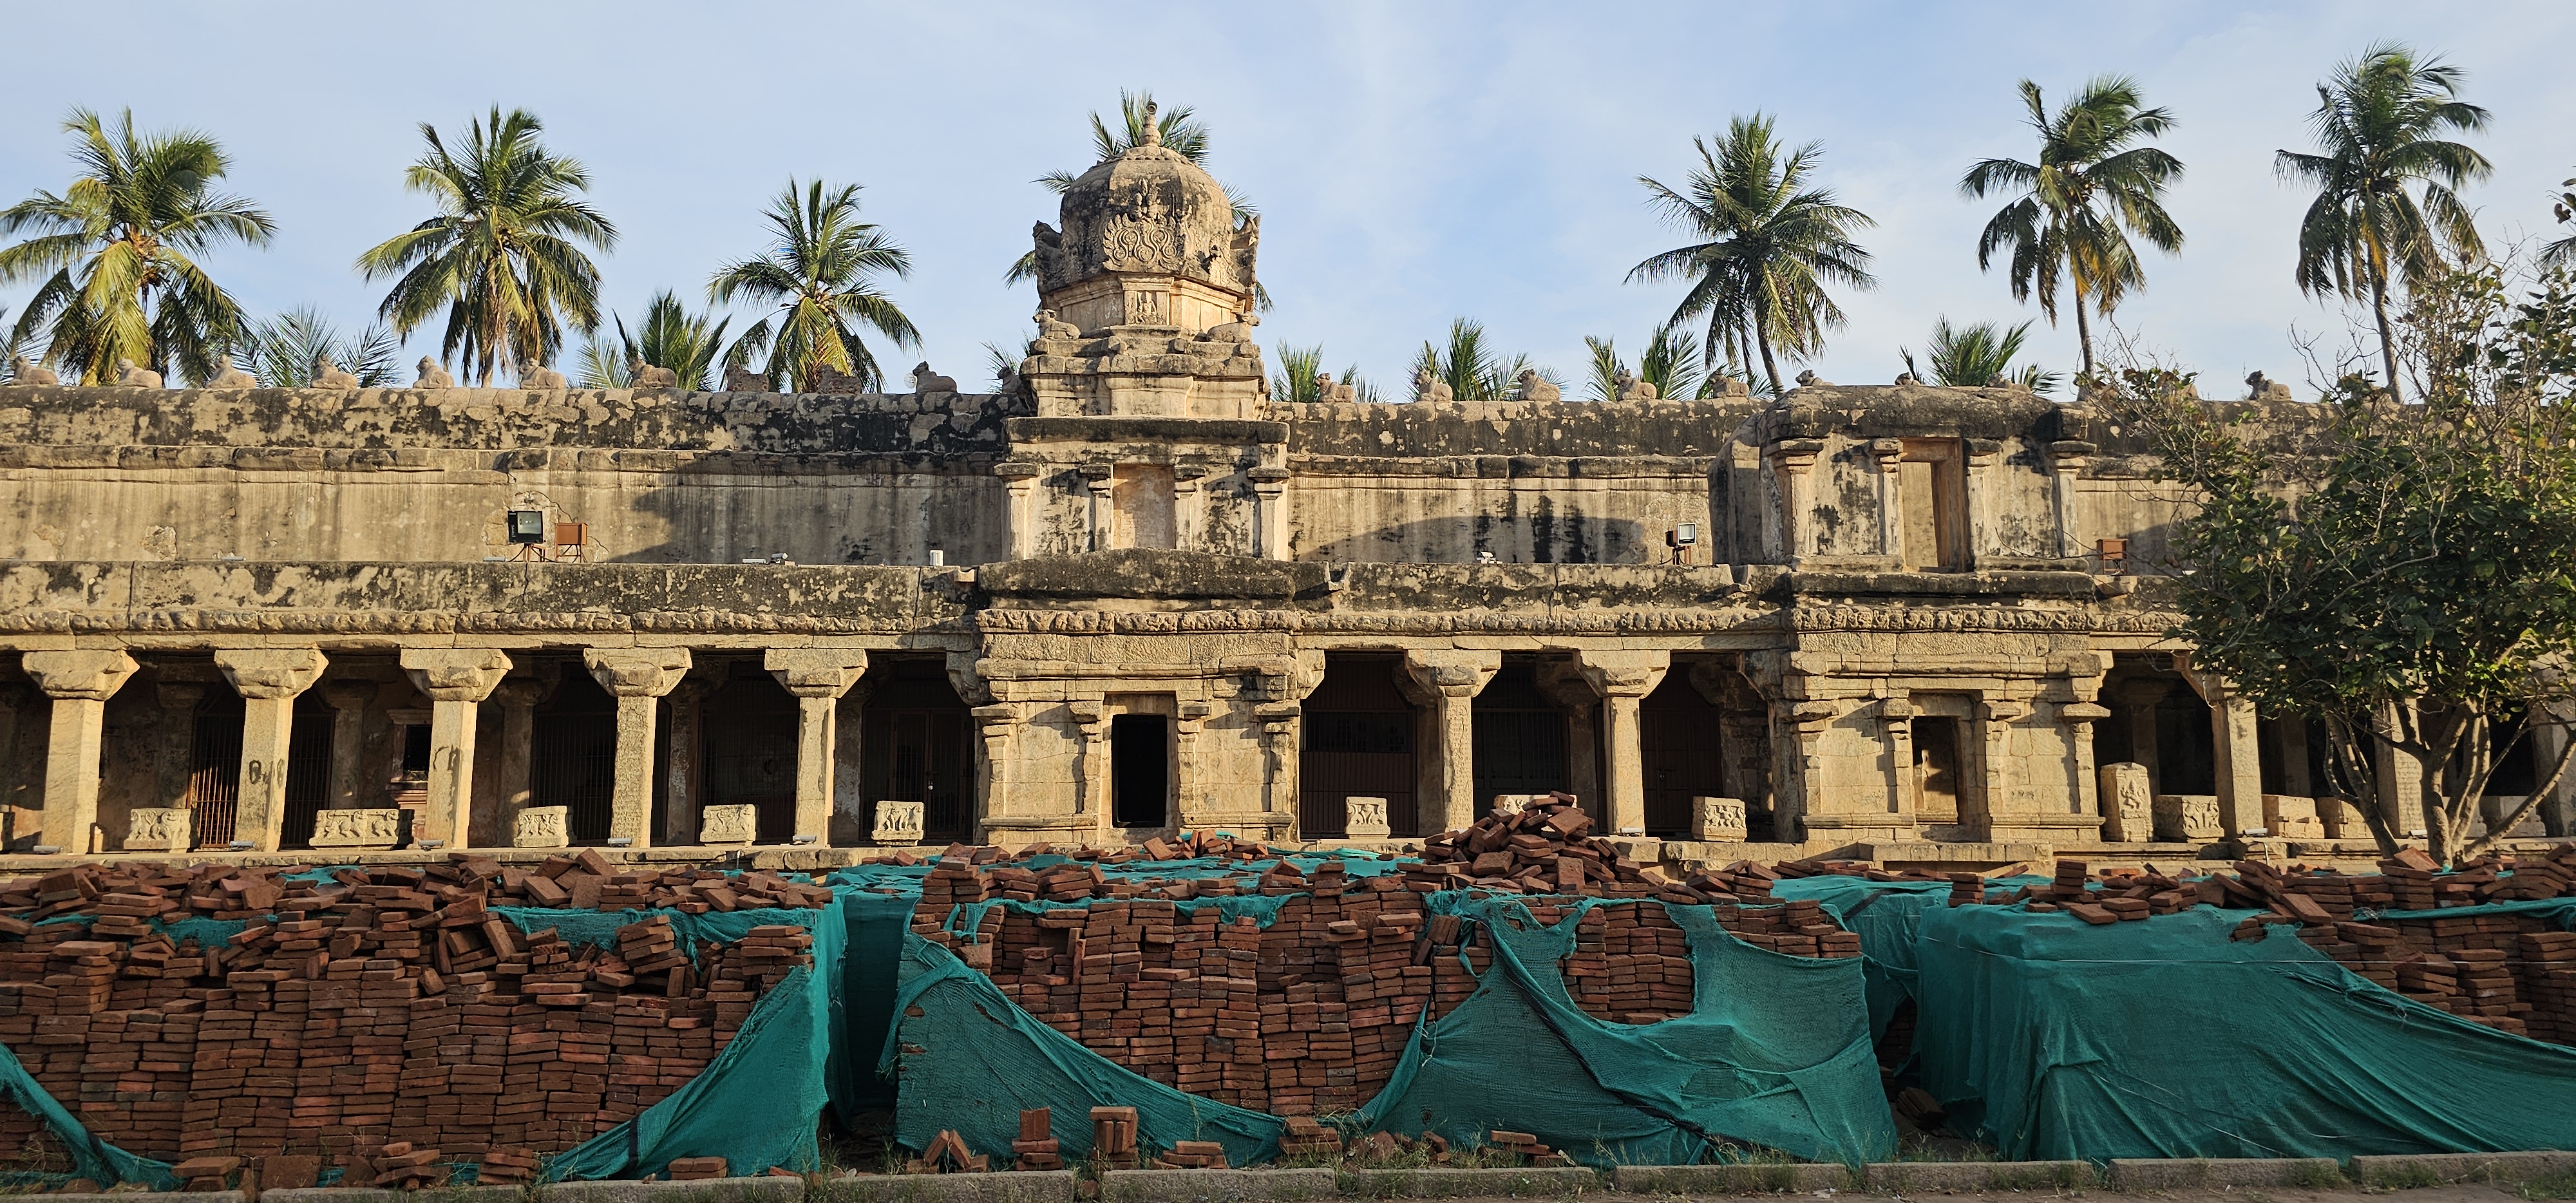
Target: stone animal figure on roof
(543, 377)
(2259, 387)
(28, 372)
(926, 381)
(640, 374)
(327, 374)
(1809, 377)
(130, 376)
(233, 377)
(1237, 331)
(744, 380)
(1328, 389)
(1050, 326)
(1427, 387)
(1633, 389)
(432, 376)
(1534, 389)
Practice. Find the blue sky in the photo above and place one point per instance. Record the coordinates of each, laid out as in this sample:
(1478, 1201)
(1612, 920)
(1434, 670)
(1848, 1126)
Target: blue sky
(1414, 162)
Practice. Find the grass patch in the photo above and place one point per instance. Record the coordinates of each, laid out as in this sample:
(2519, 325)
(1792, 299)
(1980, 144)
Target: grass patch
(2312, 1176)
(2560, 1184)
(2414, 1175)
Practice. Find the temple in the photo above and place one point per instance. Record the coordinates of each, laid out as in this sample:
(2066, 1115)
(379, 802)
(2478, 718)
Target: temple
(1130, 595)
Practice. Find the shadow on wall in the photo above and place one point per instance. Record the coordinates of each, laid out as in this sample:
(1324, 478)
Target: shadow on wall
(1544, 536)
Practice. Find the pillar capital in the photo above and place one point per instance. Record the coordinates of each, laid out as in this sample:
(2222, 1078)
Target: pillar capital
(88, 676)
(350, 694)
(1623, 673)
(2082, 712)
(270, 673)
(816, 672)
(455, 674)
(522, 691)
(642, 672)
(1453, 672)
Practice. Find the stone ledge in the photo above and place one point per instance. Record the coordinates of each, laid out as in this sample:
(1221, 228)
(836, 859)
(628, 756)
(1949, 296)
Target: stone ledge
(765, 1189)
(1029, 1186)
(2143, 1174)
(373, 1194)
(1893, 1176)
(183, 1196)
(1216, 1186)
(1747, 1179)
(1469, 1184)
(2433, 1169)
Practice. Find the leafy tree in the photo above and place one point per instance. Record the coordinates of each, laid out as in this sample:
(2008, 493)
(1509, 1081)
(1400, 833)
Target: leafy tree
(2397, 573)
(1300, 369)
(1474, 371)
(821, 275)
(503, 255)
(1182, 133)
(601, 363)
(673, 338)
(2092, 187)
(279, 352)
(1979, 355)
(1770, 245)
(1667, 364)
(117, 253)
(2378, 126)
(2562, 253)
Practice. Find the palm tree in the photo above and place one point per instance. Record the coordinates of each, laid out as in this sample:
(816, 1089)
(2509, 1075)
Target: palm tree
(2090, 190)
(2562, 253)
(1300, 372)
(1771, 245)
(1979, 355)
(1473, 371)
(820, 274)
(500, 256)
(1182, 133)
(12, 344)
(1666, 365)
(279, 352)
(116, 253)
(601, 363)
(673, 338)
(2378, 122)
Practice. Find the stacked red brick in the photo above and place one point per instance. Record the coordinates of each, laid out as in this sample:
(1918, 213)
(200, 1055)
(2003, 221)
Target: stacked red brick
(381, 1005)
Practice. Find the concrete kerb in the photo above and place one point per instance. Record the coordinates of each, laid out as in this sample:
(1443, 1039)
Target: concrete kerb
(372, 1194)
(766, 1189)
(1217, 1186)
(1554, 1183)
(2144, 1174)
(1016, 1186)
(1747, 1178)
(1895, 1176)
(2434, 1169)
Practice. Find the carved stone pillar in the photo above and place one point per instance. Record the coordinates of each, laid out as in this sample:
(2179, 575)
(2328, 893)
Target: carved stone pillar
(1022, 479)
(1889, 457)
(1270, 524)
(1984, 536)
(1189, 508)
(1793, 463)
(680, 801)
(79, 684)
(518, 697)
(818, 677)
(2236, 745)
(2066, 459)
(1564, 683)
(349, 701)
(1997, 717)
(1091, 735)
(637, 678)
(2079, 718)
(1095, 505)
(176, 757)
(1896, 726)
(995, 723)
(2401, 783)
(269, 680)
(1453, 677)
(455, 680)
(2142, 698)
(14, 701)
(1623, 679)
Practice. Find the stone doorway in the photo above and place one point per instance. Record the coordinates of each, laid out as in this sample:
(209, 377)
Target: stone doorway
(1358, 741)
(1681, 744)
(747, 743)
(214, 771)
(1140, 768)
(916, 745)
(574, 763)
(308, 770)
(1520, 744)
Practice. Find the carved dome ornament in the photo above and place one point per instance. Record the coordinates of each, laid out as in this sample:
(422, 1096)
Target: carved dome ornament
(1148, 211)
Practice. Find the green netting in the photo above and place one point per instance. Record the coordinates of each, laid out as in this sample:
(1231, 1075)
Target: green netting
(95, 1159)
(972, 1060)
(1885, 915)
(1774, 1053)
(2051, 1038)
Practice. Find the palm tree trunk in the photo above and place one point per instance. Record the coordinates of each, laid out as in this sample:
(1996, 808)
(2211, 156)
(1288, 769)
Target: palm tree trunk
(1769, 365)
(2387, 340)
(2083, 335)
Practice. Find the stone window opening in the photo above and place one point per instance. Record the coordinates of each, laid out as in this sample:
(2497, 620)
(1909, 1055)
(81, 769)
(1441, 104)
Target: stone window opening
(1932, 503)
(1140, 770)
(1940, 769)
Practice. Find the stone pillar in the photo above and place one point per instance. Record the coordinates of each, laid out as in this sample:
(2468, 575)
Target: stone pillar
(1453, 677)
(994, 722)
(456, 680)
(2066, 458)
(1021, 477)
(2548, 743)
(2079, 718)
(1623, 679)
(349, 701)
(2236, 745)
(818, 677)
(1270, 520)
(1189, 508)
(637, 678)
(1996, 718)
(2290, 738)
(269, 680)
(1981, 534)
(518, 697)
(1793, 463)
(1091, 745)
(79, 684)
(680, 760)
(178, 752)
(14, 700)
(1564, 683)
(2142, 698)
(1095, 505)
(1889, 457)
(2401, 784)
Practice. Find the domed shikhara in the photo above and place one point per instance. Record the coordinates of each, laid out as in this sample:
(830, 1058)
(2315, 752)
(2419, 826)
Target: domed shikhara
(1148, 239)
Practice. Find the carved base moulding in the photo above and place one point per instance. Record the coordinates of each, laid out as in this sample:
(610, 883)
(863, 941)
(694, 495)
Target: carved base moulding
(159, 829)
(729, 825)
(361, 829)
(542, 827)
(1367, 819)
(1718, 820)
(898, 824)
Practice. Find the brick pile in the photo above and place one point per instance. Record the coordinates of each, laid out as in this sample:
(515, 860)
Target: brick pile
(1543, 850)
(374, 1017)
(1310, 1014)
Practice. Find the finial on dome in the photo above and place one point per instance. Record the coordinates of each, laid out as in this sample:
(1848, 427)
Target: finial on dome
(1153, 128)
